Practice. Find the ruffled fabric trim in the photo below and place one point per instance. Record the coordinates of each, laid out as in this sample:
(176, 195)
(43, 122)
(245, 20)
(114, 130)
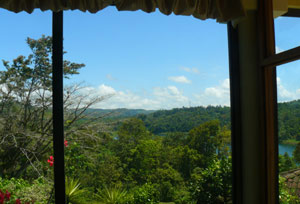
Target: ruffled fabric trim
(221, 10)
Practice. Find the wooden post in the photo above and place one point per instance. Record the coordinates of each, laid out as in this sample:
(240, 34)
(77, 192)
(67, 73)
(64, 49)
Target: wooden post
(58, 109)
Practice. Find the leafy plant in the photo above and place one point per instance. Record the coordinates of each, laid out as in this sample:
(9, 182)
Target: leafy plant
(112, 195)
(74, 194)
(212, 185)
(286, 196)
(183, 196)
(146, 194)
(35, 192)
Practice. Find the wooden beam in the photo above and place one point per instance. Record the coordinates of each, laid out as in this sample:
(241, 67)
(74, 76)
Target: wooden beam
(282, 57)
(58, 109)
(266, 42)
(292, 12)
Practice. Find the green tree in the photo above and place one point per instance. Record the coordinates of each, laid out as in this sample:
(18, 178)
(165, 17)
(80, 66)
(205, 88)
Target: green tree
(144, 159)
(129, 135)
(167, 180)
(286, 163)
(183, 159)
(25, 108)
(296, 153)
(212, 185)
(132, 131)
(205, 139)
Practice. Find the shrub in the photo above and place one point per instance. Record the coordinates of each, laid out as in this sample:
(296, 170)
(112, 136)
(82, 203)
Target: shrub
(112, 195)
(286, 196)
(36, 192)
(183, 196)
(74, 194)
(212, 185)
(146, 194)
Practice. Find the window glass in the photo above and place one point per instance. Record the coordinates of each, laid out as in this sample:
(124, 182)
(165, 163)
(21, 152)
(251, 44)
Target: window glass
(288, 90)
(155, 94)
(286, 33)
(26, 156)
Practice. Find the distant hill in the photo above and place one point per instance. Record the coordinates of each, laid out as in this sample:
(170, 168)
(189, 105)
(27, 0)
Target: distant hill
(118, 113)
(184, 119)
(289, 120)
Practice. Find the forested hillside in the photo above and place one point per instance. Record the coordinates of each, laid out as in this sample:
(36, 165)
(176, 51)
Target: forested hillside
(184, 119)
(118, 112)
(289, 120)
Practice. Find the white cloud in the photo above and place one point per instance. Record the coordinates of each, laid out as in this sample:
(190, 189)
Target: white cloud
(216, 95)
(170, 97)
(179, 79)
(284, 94)
(190, 70)
(160, 98)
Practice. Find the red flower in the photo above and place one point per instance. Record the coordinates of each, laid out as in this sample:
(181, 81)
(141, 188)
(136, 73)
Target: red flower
(50, 160)
(18, 201)
(1, 197)
(7, 195)
(66, 143)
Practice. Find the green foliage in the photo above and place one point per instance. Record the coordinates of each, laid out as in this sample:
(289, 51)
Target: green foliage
(289, 120)
(145, 194)
(74, 193)
(285, 195)
(183, 196)
(286, 163)
(175, 138)
(184, 119)
(212, 185)
(77, 162)
(166, 180)
(183, 159)
(132, 131)
(112, 195)
(108, 169)
(205, 139)
(37, 191)
(25, 107)
(296, 153)
(144, 160)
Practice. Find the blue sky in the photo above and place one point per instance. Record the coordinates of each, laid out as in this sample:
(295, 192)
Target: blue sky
(149, 61)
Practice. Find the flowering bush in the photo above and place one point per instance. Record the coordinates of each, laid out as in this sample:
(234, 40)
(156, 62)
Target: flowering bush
(66, 143)
(14, 191)
(51, 158)
(5, 198)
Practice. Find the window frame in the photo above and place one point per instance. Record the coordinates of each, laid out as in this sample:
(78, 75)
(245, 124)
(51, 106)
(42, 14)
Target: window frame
(269, 95)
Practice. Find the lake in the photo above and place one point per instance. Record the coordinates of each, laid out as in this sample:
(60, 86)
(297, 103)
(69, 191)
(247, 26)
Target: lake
(282, 148)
